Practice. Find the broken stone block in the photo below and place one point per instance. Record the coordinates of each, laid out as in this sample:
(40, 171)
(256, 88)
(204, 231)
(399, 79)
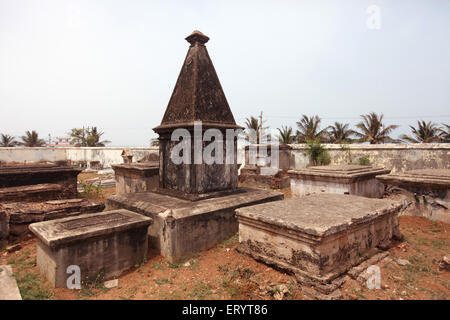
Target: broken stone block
(427, 189)
(108, 243)
(318, 237)
(13, 248)
(341, 179)
(4, 227)
(111, 283)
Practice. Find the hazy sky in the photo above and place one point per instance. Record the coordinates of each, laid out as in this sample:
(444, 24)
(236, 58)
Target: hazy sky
(114, 64)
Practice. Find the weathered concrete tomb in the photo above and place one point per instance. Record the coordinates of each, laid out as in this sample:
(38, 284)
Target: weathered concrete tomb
(16, 216)
(182, 227)
(341, 179)
(318, 237)
(136, 177)
(106, 243)
(38, 182)
(193, 206)
(428, 189)
(28, 193)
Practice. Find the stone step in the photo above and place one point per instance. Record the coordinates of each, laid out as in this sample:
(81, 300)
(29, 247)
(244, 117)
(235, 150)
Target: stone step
(8, 285)
(44, 191)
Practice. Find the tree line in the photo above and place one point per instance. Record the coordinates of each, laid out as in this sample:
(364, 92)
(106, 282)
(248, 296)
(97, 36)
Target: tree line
(370, 129)
(80, 137)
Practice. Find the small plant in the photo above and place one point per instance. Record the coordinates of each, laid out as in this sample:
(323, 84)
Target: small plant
(161, 281)
(318, 155)
(91, 190)
(200, 291)
(173, 265)
(157, 266)
(364, 161)
(92, 286)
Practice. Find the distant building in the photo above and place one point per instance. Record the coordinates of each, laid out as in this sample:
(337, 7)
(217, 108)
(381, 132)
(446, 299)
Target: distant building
(60, 142)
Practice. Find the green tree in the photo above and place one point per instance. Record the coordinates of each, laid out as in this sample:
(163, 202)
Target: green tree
(285, 136)
(445, 133)
(318, 155)
(89, 137)
(7, 141)
(373, 130)
(426, 132)
(340, 133)
(309, 129)
(255, 128)
(31, 139)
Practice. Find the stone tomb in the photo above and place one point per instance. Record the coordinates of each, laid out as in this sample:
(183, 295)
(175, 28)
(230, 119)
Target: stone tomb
(49, 181)
(108, 242)
(318, 237)
(136, 177)
(193, 206)
(341, 179)
(428, 189)
(182, 227)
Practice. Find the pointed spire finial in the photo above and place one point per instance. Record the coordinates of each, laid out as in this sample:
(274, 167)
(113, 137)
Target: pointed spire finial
(197, 37)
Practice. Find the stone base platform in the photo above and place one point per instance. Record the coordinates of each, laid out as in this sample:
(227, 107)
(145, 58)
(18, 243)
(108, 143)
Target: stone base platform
(106, 243)
(341, 179)
(318, 237)
(182, 227)
(136, 177)
(428, 190)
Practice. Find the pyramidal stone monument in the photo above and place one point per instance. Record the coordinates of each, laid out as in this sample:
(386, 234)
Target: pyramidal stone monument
(193, 207)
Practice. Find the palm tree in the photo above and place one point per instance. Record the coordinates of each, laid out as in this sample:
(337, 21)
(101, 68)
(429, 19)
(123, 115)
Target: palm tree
(31, 139)
(425, 132)
(7, 141)
(445, 133)
(373, 130)
(309, 129)
(285, 136)
(89, 137)
(255, 127)
(340, 133)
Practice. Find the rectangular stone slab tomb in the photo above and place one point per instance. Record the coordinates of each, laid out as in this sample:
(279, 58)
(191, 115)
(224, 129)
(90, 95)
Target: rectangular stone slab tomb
(182, 227)
(341, 179)
(428, 190)
(136, 177)
(107, 242)
(42, 174)
(318, 237)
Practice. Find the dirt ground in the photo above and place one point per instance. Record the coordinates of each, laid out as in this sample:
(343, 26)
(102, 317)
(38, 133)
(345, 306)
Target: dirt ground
(223, 273)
